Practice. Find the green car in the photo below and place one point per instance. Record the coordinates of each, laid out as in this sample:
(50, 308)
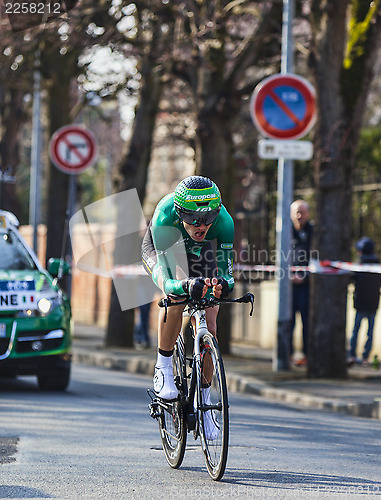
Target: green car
(35, 314)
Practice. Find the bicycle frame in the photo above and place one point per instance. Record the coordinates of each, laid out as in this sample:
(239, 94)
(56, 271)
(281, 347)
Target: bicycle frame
(195, 376)
(201, 329)
(177, 417)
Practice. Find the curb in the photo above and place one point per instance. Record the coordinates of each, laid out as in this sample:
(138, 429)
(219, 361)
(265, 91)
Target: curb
(237, 384)
(138, 365)
(240, 384)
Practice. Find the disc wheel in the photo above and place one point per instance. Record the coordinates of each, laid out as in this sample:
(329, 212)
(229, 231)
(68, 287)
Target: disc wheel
(171, 423)
(213, 408)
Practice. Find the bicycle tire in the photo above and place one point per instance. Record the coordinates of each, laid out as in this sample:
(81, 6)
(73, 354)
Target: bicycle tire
(172, 425)
(214, 444)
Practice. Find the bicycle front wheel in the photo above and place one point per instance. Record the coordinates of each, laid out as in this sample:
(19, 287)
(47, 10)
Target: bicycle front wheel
(213, 408)
(172, 421)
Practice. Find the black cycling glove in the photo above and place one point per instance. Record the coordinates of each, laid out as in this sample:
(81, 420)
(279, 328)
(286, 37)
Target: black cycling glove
(194, 287)
(225, 290)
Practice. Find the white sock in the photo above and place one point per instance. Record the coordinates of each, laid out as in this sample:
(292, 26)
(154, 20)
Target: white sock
(206, 395)
(163, 361)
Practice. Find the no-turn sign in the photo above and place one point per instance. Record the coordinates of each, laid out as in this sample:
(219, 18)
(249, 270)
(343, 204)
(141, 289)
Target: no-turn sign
(72, 149)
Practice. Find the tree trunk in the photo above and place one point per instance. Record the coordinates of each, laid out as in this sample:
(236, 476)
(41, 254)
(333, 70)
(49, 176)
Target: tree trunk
(134, 167)
(341, 95)
(133, 171)
(12, 120)
(58, 182)
(215, 160)
(120, 324)
(215, 153)
(59, 70)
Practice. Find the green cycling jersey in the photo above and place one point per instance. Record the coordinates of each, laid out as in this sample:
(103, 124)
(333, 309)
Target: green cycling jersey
(172, 242)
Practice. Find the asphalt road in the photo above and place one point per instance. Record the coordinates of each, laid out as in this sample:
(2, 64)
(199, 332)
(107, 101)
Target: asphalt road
(97, 441)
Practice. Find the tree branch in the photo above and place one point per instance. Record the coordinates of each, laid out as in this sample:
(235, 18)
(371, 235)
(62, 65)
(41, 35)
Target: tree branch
(251, 53)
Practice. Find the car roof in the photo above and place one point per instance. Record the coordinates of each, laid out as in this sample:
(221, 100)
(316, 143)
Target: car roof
(7, 220)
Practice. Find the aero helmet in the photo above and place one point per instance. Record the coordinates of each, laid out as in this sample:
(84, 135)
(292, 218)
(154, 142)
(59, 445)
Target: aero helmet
(197, 200)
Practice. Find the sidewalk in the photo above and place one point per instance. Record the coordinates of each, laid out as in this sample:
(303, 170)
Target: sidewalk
(249, 370)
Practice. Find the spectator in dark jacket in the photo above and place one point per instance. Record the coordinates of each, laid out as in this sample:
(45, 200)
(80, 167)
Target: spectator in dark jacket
(366, 299)
(302, 230)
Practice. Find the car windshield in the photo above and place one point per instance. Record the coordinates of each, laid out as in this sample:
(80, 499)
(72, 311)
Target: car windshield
(13, 254)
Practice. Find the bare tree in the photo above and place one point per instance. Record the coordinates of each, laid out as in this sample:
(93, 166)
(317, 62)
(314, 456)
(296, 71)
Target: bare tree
(152, 44)
(227, 40)
(60, 42)
(342, 63)
(15, 83)
(13, 116)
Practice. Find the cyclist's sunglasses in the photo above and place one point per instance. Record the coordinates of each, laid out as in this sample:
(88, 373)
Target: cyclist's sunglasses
(196, 219)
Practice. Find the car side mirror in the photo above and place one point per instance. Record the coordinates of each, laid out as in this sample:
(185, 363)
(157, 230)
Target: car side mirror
(55, 265)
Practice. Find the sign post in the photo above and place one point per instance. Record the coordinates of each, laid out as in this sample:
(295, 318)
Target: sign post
(281, 359)
(283, 108)
(35, 163)
(72, 149)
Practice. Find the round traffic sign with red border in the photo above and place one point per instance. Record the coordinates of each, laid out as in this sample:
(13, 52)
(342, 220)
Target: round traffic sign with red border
(73, 149)
(284, 107)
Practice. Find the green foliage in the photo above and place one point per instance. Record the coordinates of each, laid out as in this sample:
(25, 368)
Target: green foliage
(363, 14)
(368, 156)
(367, 196)
(358, 28)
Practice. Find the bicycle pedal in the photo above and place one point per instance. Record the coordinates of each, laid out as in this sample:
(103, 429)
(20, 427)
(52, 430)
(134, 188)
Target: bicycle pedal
(151, 394)
(154, 410)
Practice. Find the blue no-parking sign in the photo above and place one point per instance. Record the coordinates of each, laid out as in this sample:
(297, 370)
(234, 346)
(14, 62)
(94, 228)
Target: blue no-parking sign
(283, 107)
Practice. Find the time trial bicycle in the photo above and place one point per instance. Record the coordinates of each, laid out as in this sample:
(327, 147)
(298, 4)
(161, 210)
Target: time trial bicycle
(202, 404)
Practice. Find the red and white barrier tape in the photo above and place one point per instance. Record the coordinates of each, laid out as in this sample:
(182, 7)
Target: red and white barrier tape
(130, 270)
(317, 267)
(357, 268)
(116, 272)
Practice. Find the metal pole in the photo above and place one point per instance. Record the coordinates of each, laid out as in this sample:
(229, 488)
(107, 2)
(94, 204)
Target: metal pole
(71, 210)
(67, 250)
(35, 174)
(287, 58)
(283, 221)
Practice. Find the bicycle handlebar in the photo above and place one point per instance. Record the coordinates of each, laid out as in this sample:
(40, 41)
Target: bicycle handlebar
(205, 303)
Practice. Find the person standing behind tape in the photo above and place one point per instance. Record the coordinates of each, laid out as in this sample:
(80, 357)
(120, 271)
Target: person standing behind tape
(365, 300)
(301, 246)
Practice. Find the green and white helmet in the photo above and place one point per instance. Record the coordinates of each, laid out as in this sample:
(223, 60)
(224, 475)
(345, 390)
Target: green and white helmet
(197, 200)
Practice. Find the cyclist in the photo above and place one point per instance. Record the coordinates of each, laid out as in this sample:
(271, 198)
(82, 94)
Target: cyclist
(189, 219)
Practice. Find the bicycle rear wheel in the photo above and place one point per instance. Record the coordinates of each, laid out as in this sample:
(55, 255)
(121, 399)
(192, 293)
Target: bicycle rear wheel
(213, 408)
(172, 421)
